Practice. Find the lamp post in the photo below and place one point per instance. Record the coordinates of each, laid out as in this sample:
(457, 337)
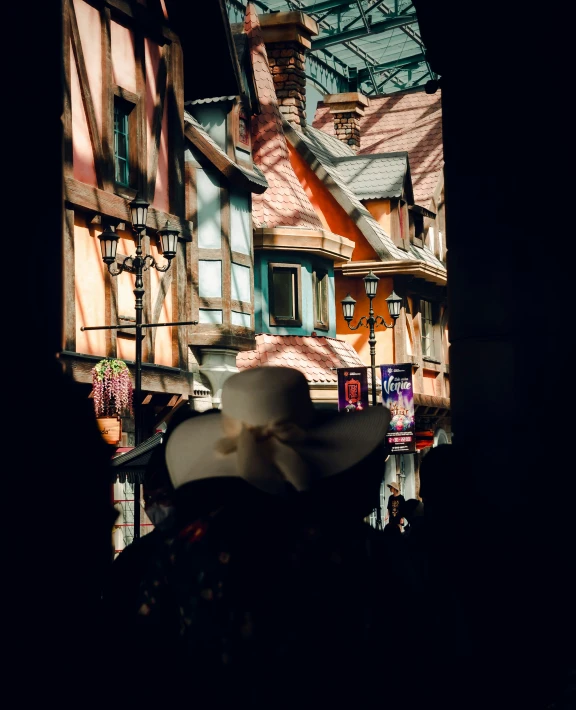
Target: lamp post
(168, 242)
(372, 321)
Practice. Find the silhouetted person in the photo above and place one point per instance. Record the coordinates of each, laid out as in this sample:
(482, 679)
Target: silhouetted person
(271, 591)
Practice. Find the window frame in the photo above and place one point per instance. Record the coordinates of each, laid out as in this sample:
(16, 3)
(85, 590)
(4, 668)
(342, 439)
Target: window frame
(321, 276)
(279, 321)
(130, 102)
(432, 338)
(241, 112)
(417, 228)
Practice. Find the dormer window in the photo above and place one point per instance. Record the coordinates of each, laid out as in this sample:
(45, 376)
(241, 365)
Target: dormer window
(243, 127)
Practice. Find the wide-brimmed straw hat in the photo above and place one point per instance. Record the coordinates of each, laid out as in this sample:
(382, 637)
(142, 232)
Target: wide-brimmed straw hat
(394, 485)
(269, 433)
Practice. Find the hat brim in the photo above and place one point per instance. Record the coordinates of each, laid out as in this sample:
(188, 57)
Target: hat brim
(334, 443)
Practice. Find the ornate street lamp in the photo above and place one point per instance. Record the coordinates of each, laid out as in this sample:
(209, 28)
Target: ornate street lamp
(394, 303)
(168, 244)
(371, 321)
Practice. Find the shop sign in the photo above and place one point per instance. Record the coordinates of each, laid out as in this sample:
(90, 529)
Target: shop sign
(398, 396)
(352, 389)
(110, 428)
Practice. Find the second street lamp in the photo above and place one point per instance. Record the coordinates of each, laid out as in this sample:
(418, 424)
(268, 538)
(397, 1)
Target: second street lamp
(371, 321)
(168, 244)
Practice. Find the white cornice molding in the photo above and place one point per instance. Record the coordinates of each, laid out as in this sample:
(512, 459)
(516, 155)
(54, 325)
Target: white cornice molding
(417, 268)
(301, 239)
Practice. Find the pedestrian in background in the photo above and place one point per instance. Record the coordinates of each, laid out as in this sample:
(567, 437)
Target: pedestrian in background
(395, 510)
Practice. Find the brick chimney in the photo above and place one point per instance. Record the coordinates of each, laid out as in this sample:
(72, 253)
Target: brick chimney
(347, 110)
(287, 36)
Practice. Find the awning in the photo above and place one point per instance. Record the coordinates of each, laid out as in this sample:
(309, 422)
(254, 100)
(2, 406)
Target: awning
(131, 465)
(431, 406)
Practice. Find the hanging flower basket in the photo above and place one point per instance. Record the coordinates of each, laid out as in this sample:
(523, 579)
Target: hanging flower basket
(112, 388)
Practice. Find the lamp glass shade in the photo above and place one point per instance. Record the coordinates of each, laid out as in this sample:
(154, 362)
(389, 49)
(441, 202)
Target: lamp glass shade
(394, 303)
(108, 245)
(139, 212)
(371, 284)
(348, 305)
(168, 237)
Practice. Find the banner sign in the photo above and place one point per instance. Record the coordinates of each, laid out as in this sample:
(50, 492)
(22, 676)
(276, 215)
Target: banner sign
(352, 389)
(398, 396)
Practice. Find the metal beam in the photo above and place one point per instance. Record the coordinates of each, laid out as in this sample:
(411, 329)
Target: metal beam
(332, 5)
(375, 28)
(387, 11)
(364, 74)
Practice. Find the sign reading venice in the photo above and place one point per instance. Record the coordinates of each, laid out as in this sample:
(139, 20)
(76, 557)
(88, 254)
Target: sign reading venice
(398, 396)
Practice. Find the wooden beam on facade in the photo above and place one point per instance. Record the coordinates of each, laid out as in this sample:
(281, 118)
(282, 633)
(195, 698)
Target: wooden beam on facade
(79, 194)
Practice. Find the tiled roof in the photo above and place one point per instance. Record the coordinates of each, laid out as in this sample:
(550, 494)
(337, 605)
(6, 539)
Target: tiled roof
(410, 122)
(325, 151)
(374, 176)
(284, 204)
(314, 356)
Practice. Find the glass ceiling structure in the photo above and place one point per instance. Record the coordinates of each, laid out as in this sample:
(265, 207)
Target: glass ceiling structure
(372, 46)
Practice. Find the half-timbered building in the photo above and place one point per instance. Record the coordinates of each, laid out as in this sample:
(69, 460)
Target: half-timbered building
(141, 119)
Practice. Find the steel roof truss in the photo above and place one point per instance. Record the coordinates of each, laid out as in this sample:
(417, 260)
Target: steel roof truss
(375, 28)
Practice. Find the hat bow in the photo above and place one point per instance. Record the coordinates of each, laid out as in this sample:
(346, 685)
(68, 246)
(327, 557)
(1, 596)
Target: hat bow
(265, 452)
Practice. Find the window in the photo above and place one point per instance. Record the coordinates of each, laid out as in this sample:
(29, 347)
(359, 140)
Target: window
(209, 210)
(427, 327)
(284, 295)
(126, 162)
(417, 229)
(210, 315)
(122, 142)
(210, 279)
(240, 283)
(240, 232)
(243, 127)
(320, 284)
(241, 319)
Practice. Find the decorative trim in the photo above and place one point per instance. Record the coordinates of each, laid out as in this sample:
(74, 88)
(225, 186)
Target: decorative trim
(314, 241)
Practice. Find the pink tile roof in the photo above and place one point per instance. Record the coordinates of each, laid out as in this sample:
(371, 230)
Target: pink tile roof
(284, 204)
(411, 122)
(315, 356)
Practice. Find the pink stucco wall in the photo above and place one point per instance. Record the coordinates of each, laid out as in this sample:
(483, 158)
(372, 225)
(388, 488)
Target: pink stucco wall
(90, 288)
(82, 153)
(163, 342)
(152, 57)
(123, 57)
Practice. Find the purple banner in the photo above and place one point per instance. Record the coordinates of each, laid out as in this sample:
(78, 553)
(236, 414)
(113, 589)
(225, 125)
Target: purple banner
(352, 389)
(398, 396)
